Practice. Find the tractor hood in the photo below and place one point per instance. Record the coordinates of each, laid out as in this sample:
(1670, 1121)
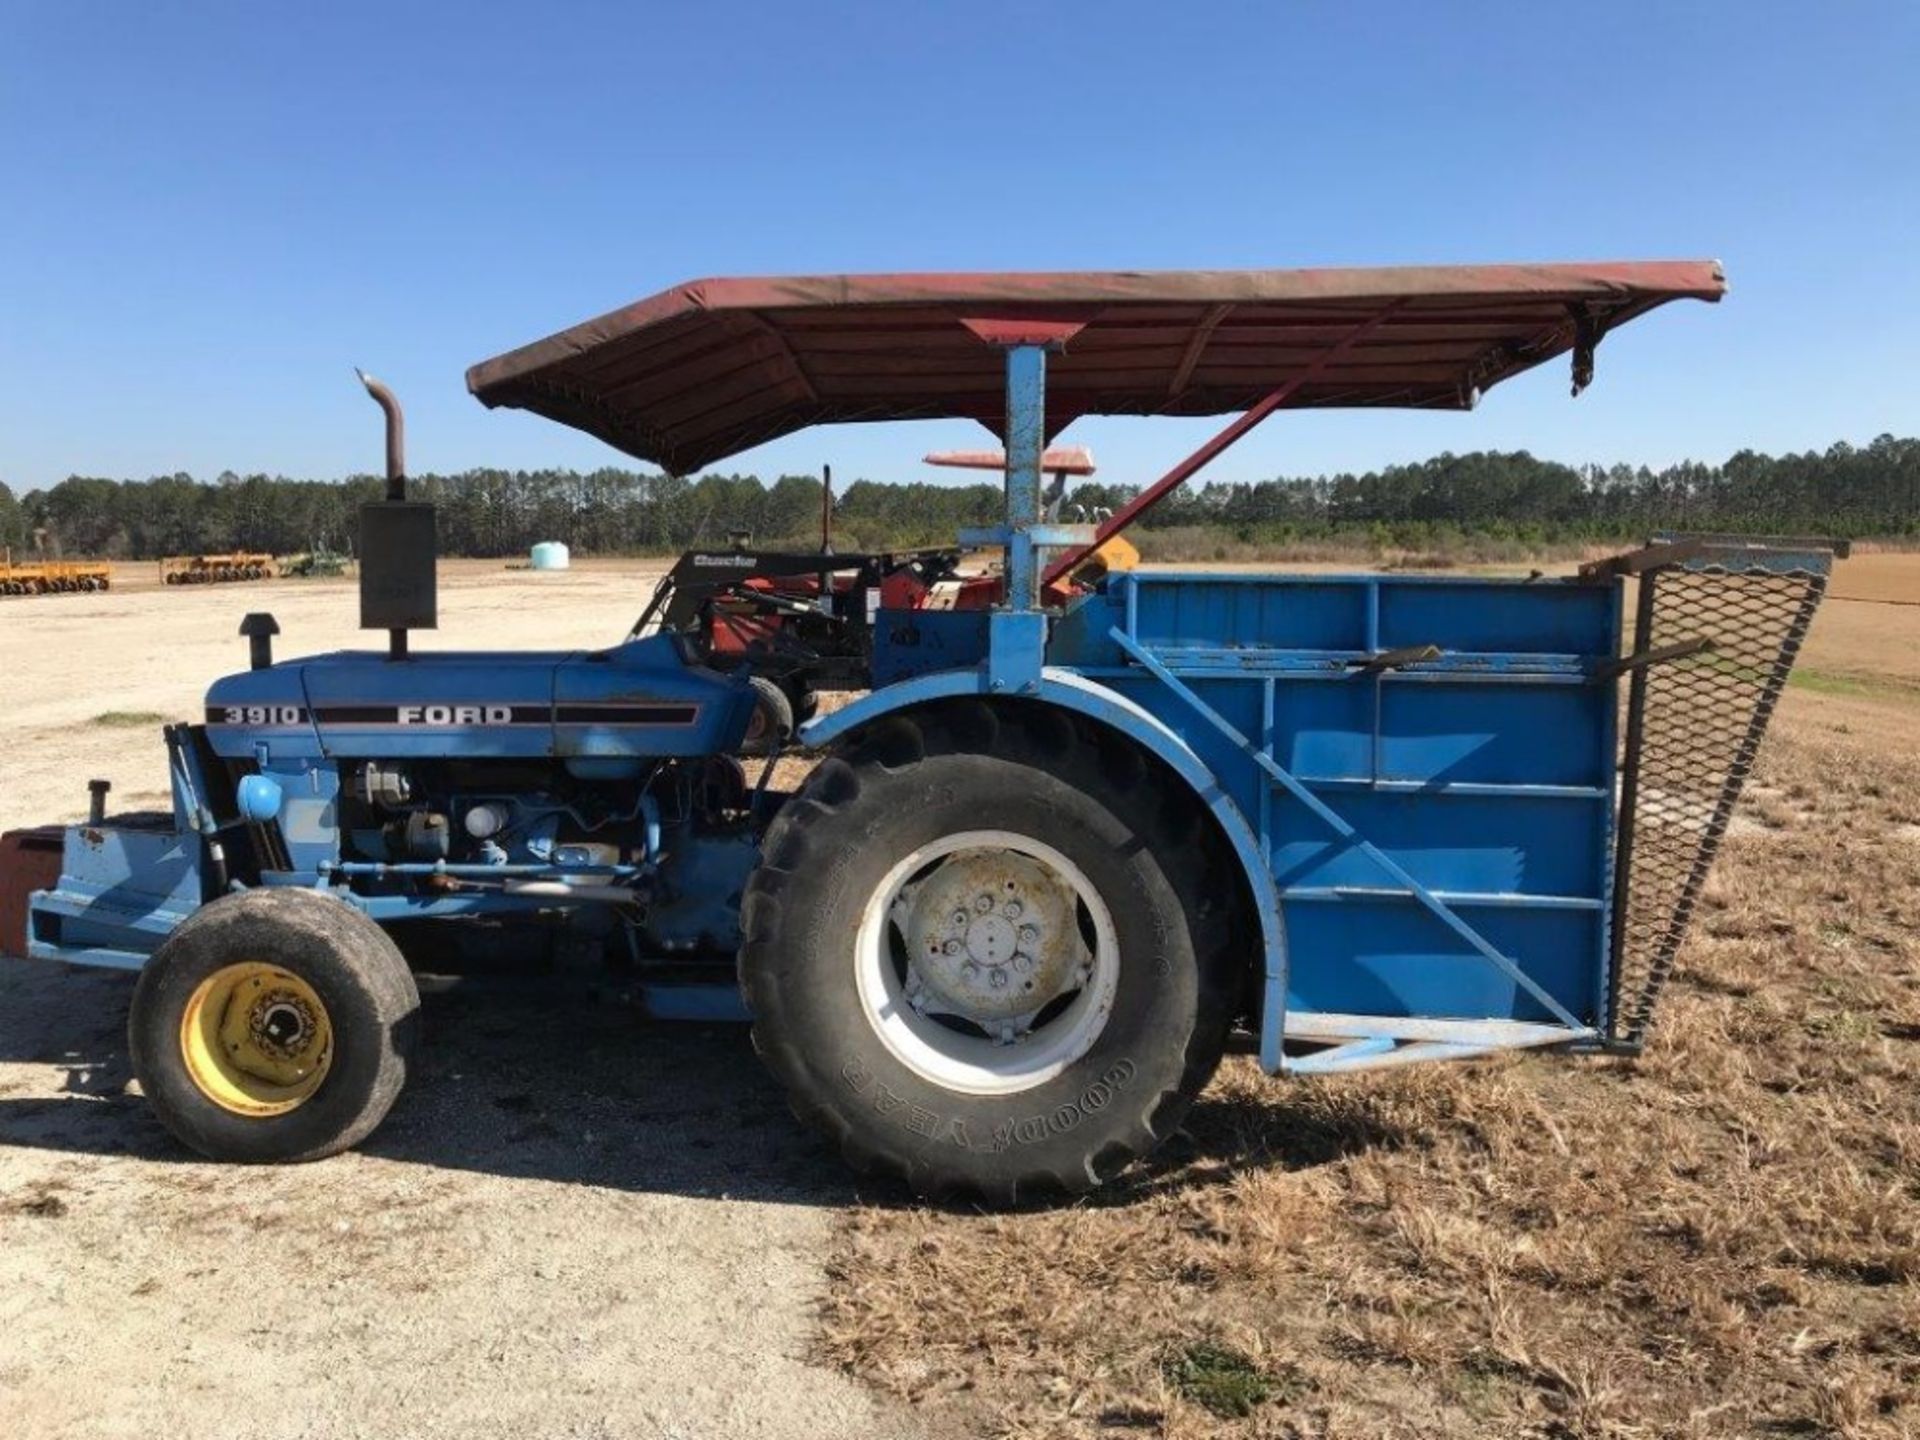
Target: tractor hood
(637, 699)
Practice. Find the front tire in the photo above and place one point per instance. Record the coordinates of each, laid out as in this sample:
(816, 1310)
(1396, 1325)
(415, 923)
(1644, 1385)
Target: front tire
(977, 952)
(805, 699)
(772, 722)
(273, 1025)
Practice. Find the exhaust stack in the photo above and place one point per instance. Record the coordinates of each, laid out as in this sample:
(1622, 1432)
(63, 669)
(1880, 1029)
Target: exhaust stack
(399, 589)
(396, 433)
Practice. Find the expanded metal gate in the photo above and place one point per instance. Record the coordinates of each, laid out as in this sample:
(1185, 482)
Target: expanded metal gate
(1718, 624)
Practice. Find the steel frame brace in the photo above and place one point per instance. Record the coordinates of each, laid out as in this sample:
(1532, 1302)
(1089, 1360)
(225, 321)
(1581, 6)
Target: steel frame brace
(1363, 1042)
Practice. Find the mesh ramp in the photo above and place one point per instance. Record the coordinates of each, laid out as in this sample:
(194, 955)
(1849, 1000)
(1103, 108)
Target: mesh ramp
(1719, 622)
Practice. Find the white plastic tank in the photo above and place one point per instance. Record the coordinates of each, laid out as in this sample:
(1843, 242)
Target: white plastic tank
(549, 555)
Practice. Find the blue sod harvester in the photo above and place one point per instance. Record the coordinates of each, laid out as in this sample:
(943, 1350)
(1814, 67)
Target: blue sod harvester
(1067, 840)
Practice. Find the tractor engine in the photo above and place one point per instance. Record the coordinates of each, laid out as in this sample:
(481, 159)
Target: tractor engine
(594, 793)
(531, 832)
(492, 814)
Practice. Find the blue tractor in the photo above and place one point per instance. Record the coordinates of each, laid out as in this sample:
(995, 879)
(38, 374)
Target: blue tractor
(1061, 845)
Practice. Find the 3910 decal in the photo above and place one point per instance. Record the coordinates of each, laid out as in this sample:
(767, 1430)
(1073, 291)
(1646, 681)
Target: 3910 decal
(262, 715)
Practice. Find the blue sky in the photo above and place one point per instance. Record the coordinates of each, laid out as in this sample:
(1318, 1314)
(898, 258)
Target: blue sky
(208, 213)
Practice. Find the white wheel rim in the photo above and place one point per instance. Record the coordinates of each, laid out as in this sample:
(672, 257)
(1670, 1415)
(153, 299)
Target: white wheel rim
(987, 962)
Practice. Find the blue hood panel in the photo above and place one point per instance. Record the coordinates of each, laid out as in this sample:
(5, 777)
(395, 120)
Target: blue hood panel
(637, 699)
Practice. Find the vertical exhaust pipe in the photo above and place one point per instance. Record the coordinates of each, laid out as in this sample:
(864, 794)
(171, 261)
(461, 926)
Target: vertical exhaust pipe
(396, 434)
(396, 544)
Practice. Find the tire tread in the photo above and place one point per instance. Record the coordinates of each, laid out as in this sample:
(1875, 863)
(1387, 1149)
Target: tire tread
(1080, 754)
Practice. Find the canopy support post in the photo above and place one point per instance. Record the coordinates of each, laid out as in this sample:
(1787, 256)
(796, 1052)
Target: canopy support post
(1017, 627)
(1026, 438)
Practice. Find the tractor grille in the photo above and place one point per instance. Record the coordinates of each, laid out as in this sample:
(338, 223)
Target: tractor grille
(1694, 720)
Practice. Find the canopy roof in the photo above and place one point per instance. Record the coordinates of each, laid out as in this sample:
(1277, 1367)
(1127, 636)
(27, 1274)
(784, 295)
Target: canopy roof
(712, 367)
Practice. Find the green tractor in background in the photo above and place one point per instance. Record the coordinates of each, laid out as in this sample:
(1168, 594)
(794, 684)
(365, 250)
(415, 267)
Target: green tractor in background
(322, 562)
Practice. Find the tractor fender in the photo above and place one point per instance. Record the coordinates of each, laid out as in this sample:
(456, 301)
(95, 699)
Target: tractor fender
(1073, 691)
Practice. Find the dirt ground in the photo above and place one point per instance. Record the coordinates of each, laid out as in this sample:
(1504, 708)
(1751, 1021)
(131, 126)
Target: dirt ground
(576, 1224)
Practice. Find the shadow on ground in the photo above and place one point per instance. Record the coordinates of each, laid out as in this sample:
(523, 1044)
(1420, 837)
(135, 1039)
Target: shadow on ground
(555, 1078)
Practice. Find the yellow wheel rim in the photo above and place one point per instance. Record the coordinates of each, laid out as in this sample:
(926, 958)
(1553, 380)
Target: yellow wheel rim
(256, 1039)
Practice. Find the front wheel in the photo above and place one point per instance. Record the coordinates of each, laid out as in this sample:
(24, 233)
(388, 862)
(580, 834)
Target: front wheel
(273, 1025)
(771, 724)
(977, 952)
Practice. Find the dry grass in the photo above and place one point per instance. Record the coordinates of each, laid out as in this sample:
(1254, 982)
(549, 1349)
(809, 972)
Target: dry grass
(1722, 1239)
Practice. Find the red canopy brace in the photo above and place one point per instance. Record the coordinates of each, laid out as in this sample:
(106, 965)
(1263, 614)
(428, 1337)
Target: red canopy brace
(1205, 455)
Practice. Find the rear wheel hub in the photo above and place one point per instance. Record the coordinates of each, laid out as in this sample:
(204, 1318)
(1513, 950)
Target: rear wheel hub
(990, 937)
(987, 962)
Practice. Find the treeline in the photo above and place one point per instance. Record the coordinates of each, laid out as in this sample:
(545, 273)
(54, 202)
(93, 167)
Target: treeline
(1845, 490)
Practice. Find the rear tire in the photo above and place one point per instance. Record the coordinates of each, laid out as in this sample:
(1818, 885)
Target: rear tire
(273, 1025)
(858, 883)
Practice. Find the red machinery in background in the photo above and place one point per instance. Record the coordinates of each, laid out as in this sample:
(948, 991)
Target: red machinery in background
(804, 619)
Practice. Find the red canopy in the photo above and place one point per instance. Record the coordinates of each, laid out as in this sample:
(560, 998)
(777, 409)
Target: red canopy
(706, 369)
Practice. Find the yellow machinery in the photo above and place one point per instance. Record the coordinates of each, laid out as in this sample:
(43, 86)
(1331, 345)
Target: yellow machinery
(49, 577)
(216, 569)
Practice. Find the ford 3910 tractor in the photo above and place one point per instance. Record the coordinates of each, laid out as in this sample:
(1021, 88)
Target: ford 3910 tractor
(1063, 844)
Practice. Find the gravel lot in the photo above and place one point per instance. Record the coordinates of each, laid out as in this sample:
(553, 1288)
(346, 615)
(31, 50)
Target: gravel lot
(573, 1224)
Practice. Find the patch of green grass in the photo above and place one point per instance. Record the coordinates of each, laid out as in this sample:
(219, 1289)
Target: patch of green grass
(128, 719)
(1845, 1027)
(1482, 1392)
(1222, 1380)
(1821, 682)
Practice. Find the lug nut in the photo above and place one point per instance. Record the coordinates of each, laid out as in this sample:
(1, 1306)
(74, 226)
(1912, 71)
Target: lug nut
(1023, 963)
(983, 904)
(1029, 935)
(997, 979)
(952, 947)
(970, 972)
(960, 919)
(1011, 909)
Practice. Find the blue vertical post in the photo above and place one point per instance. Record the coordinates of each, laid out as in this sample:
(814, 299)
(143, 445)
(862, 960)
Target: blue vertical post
(1026, 439)
(1017, 626)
